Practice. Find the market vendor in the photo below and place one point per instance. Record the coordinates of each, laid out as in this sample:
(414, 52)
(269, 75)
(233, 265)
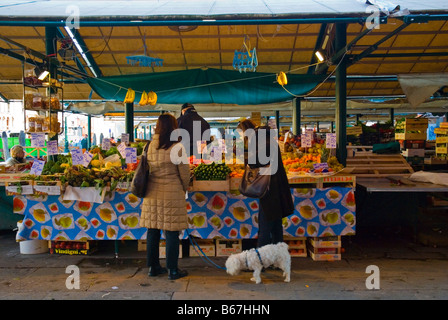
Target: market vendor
(187, 120)
(17, 156)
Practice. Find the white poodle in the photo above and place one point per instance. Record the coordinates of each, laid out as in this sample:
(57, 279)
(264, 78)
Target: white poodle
(257, 259)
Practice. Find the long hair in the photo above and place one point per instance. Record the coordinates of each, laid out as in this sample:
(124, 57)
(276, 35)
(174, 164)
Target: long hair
(166, 124)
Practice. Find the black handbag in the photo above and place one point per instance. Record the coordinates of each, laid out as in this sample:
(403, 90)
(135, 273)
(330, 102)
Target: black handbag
(254, 184)
(139, 183)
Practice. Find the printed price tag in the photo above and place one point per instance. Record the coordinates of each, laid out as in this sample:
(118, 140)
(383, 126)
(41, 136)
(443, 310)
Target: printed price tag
(38, 166)
(105, 145)
(125, 138)
(77, 157)
(38, 140)
(330, 141)
(122, 149)
(52, 147)
(131, 155)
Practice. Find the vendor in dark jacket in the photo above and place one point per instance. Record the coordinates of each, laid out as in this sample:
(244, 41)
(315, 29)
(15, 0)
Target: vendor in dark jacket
(277, 202)
(186, 121)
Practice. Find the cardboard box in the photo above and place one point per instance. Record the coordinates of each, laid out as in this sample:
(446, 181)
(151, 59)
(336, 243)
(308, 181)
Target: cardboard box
(411, 136)
(227, 247)
(413, 153)
(207, 247)
(331, 254)
(442, 150)
(442, 139)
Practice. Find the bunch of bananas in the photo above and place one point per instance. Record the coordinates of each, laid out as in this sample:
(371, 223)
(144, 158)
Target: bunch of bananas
(148, 98)
(130, 96)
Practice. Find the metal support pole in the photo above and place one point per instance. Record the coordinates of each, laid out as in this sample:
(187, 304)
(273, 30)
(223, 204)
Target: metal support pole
(296, 117)
(129, 120)
(392, 115)
(89, 132)
(341, 96)
(277, 121)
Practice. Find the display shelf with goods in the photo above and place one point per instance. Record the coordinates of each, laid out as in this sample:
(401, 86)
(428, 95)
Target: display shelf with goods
(441, 146)
(323, 205)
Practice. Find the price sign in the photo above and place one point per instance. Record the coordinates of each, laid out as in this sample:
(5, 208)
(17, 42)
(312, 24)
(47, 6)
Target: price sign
(125, 138)
(216, 154)
(38, 140)
(105, 145)
(52, 147)
(330, 141)
(38, 166)
(87, 158)
(305, 140)
(131, 155)
(77, 157)
(322, 165)
(122, 149)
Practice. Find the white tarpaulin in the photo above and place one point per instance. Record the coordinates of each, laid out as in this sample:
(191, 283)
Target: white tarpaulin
(421, 86)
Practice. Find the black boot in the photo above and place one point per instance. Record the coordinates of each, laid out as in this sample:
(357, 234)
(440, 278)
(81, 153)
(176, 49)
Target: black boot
(176, 274)
(156, 270)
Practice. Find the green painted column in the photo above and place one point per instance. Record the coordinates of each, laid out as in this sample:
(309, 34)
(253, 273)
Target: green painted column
(277, 121)
(296, 114)
(341, 96)
(89, 132)
(129, 120)
(392, 115)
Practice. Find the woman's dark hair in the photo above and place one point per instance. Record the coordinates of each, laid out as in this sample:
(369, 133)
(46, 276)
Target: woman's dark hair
(166, 124)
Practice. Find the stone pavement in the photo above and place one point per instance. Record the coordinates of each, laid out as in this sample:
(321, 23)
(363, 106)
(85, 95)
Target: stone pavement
(407, 271)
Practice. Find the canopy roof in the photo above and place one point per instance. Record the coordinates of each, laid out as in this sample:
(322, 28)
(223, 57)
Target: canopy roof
(286, 35)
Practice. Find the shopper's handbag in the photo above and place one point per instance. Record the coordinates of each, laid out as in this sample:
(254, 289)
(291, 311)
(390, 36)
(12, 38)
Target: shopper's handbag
(140, 181)
(254, 184)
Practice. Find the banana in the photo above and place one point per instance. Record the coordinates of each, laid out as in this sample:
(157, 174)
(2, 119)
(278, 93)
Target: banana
(152, 98)
(130, 96)
(281, 79)
(144, 99)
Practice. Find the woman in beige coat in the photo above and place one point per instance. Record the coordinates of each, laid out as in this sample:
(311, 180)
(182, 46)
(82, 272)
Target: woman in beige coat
(164, 206)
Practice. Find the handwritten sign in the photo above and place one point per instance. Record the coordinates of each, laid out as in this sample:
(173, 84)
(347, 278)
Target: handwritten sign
(322, 165)
(122, 149)
(77, 157)
(330, 141)
(105, 145)
(38, 140)
(125, 138)
(305, 140)
(52, 147)
(38, 166)
(131, 155)
(87, 158)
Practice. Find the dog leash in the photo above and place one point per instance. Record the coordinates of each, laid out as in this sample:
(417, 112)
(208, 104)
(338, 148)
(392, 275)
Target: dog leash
(259, 257)
(207, 259)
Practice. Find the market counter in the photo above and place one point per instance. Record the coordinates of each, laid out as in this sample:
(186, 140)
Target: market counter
(211, 214)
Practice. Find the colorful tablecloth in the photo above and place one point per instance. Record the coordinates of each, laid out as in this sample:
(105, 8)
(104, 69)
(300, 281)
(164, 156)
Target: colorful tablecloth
(318, 212)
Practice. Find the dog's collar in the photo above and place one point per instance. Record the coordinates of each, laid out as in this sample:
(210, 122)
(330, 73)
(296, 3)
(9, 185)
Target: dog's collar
(259, 257)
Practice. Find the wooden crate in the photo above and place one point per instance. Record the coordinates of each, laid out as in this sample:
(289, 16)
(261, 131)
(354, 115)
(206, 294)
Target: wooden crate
(379, 165)
(321, 182)
(70, 247)
(411, 125)
(211, 185)
(325, 248)
(297, 246)
(12, 188)
(227, 247)
(207, 246)
(234, 183)
(47, 187)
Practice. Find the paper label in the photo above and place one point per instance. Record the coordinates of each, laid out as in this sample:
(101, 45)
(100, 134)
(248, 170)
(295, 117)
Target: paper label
(38, 140)
(38, 166)
(131, 155)
(52, 147)
(125, 138)
(330, 141)
(77, 157)
(105, 145)
(122, 149)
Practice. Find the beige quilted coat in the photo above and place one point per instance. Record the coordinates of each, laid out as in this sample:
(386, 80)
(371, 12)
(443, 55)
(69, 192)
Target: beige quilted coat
(164, 206)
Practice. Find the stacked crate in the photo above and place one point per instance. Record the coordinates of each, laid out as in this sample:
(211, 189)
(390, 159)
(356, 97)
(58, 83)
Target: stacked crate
(296, 246)
(412, 133)
(442, 141)
(325, 248)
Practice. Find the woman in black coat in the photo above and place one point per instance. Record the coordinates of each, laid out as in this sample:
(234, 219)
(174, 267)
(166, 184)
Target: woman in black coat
(277, 202)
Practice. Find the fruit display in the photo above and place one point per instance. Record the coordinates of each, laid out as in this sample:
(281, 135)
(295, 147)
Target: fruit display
(211, 171)
(237, 170)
